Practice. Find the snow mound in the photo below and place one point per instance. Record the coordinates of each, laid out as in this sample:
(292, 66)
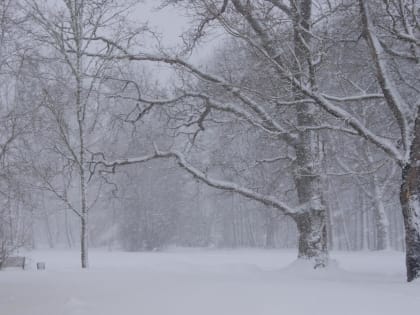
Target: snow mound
(304, 268)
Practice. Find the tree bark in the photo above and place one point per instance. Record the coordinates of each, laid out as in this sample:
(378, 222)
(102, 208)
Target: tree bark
(77, 17)
(410, 203)
(308, 167)
(311, 223)
(84, 242)
(312, 237)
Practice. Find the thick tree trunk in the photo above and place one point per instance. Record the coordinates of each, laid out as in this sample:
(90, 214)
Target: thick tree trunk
(312, 237)
(410, 203)
(311, 223)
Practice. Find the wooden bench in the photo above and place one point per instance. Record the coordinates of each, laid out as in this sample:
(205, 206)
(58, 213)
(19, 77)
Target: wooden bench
(13, 261)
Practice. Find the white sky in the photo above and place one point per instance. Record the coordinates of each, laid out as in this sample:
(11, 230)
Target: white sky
(170, 23)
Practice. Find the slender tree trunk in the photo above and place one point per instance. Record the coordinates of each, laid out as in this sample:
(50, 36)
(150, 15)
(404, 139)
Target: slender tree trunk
(69, 236)
(330, 220)
(252, 236)
(77, 12)
(84, 217)
(326, 183)
(270, 232)
(381, 221)
(50, 237)
(84, 242)
(381, 218)
(342, 221)
(365, 228)
(410, 203)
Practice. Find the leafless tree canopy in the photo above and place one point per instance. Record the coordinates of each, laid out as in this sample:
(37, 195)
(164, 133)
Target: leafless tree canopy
(300, 128)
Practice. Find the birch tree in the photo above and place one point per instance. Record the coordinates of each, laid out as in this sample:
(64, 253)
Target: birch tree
(65, 31)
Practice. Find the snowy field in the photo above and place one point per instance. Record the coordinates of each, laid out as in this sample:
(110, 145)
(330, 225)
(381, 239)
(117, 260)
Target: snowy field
(201, 282)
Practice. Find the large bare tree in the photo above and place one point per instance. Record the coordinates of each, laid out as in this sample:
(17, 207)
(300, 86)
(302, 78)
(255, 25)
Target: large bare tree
(293, 38)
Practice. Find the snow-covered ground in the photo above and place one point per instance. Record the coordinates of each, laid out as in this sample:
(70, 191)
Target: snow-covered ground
(201, 282)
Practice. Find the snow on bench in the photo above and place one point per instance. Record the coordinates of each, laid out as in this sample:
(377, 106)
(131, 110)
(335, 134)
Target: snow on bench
(13, 261)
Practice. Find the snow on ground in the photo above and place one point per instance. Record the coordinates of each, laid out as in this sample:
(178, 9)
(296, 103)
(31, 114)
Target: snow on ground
(201, 282)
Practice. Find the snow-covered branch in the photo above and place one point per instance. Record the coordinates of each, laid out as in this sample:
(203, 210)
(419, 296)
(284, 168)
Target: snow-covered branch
(353, 98)
(196, 173)
(394, 100)
(317, 97)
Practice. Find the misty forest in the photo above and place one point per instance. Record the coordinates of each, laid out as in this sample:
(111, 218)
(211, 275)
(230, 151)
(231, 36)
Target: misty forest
(209, 157)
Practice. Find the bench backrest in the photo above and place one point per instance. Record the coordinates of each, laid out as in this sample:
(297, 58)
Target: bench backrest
(13, 261)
